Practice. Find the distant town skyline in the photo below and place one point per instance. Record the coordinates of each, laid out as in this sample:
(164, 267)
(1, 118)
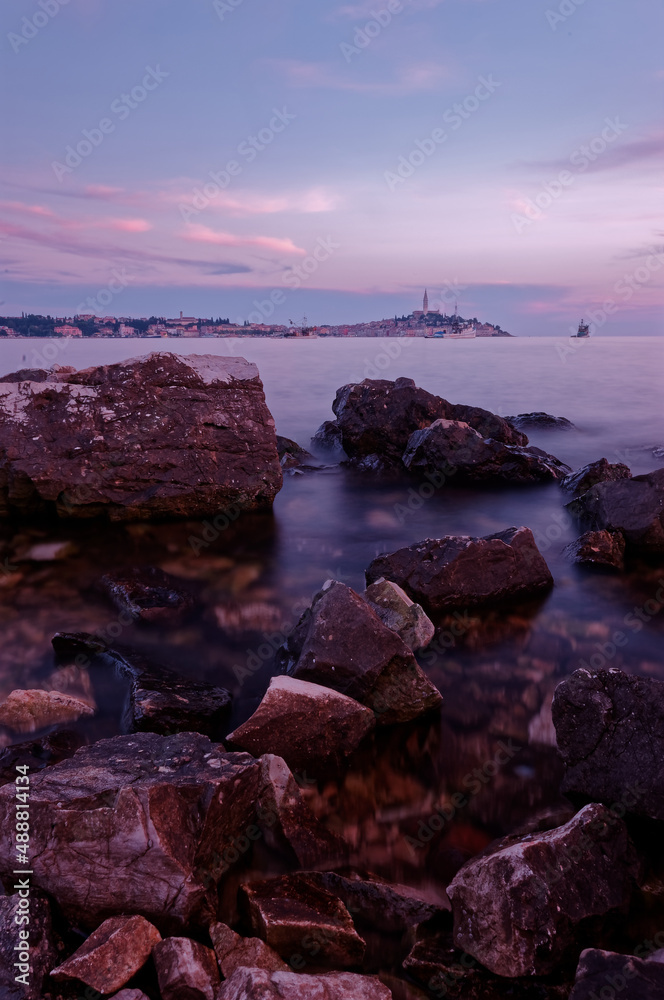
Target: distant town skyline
(236, 157)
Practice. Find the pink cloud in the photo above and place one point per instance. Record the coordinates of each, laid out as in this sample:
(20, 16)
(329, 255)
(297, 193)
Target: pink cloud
(128, 225)
(203, 234)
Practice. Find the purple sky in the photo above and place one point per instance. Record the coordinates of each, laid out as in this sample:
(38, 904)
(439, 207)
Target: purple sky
(507, 154)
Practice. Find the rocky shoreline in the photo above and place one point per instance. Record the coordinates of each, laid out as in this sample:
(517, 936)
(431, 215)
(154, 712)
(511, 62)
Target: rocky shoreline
(201, 854)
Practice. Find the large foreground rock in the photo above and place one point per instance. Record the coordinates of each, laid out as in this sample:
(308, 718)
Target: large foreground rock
(605, 975)
(516, 907)
(458, 571)
(42, 954)
(466, 456)
(186, 969)
(396, 610)
(159, 436)
(634, 507)
(234, 951)
(304, 723)
(340, 642)
(112, 954)
(257, 984)
(133, 825)
(610, 733)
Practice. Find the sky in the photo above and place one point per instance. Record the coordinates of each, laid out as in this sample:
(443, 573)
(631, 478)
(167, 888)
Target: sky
(269, 159)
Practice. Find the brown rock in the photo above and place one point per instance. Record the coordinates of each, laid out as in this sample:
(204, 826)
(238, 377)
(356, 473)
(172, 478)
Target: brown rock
(42, 953)
(257, 984)
(633, 507)
(517, 906)
(112, 954)
(598, 548)
(186, 969)
(234, 951)
(596, 472)
(135, 824)
(37, 754)
(130, 995)
(396, 610)
(27, 711)
(302, 921)
(148, 595)
(460, 571)
(157, 436)
(304, 722)
(606, 974)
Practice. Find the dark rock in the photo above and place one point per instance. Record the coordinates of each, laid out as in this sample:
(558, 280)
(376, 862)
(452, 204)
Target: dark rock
(598, 548)
(341, 643)
(606, 974)
(459, 450)
(295, 916)
(132, 824)
(233, 952)
(610, 733)
(487, 424)
(396, 610)
(458, 571)
(634, 507)
(112, 954)
(130, 994)
(36, 754)
(148, 595)
(42, 953)
(158, 436)
(28, 375)
(517, 906)
(257, 984)
(186, 969)
(540, 421)
(602, 471)
(294, 456)
(304, 722)
(328, 438)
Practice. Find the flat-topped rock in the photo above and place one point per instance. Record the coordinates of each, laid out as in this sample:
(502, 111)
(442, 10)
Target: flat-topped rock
(157, 436)
(539, 420)
(28, 711)
(147, 594)
(113, 953)
(234, 951)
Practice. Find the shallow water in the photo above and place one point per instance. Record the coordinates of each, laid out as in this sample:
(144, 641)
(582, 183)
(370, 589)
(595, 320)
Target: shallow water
(496, 671)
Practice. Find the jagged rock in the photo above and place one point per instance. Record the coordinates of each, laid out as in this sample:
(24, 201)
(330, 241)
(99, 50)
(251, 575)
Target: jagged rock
(540, 421)
(607, 974)
(487, 424)
(233, 952)
(147, 595)
(294, 456)
(517, 905)
(36, 754)
(598, 548)
(186, 969)
(157, 436)
(133, 824)
(328, 438)
(257, 984)
(296, 916)
(396, 610)
(602, 471)
(458, 571)
(634, 507)
(130, 995)
(27, 711)
(42, 953)
(304, 722)
(456, 447)
(113, 953)
(27, 375)
(610, 733)
(341, 643)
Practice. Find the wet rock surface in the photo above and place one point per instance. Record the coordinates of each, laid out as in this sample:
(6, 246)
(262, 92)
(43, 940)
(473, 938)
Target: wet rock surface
(602, 471)
(113, 953)
(147, 594)
(610, 733)
(539, 420)
(396, 610)
(206, 440)
(304, 722)
(234, 951)
(634, 507)
(341, 643)
(256, 984)
(36, 754)
(186, 969)
(42, 954)
(605, 973)
(458, 571)
(517, 906)
(598, 548)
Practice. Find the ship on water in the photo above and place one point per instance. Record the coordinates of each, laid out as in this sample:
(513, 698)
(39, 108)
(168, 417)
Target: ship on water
(583, 331)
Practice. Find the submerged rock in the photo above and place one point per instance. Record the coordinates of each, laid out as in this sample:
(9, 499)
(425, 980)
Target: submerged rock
(233, 952)
(634, 507)
(42, 953)
(148, 595)
(396, 610)
(135, 824)
(157, 436)
(625, 976)
(304, 723)
(297, 917)
(466, 457)
(602, 471)
(538, 420)
(186, 969)
(27, 711)
(610, 733)
(516, 907)
(458, 571)
(598, 548)
(113, 953)
(257, 984)
(341, 643)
